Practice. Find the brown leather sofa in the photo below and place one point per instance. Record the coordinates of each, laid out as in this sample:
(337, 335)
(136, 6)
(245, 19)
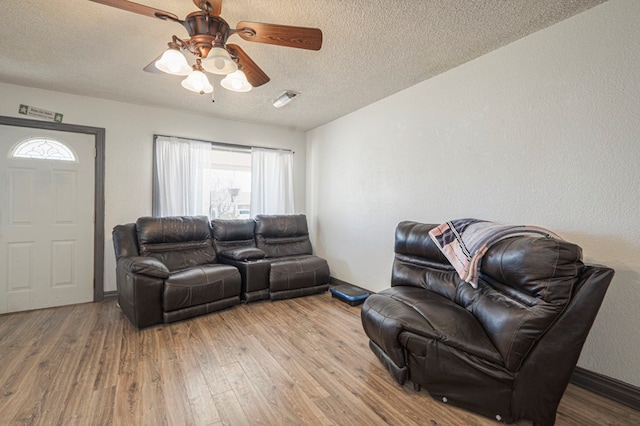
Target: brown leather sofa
(273, 254)
(506, 349)
(167, 270)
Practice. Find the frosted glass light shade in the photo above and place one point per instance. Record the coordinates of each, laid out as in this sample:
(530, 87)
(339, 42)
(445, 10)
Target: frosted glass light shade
(236, 82)
(173, 62)
(219, 61)
(197, 82)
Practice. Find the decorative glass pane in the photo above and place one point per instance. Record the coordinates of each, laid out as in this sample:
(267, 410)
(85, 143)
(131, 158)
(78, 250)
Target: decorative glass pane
(44, 149)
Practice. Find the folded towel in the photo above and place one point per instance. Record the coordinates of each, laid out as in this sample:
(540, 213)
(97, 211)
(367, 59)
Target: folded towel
(465, 241)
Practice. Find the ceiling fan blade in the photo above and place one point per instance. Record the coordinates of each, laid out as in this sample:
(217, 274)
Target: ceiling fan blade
(213, 7)
(281, 35)
(138, 8)
(255, 75)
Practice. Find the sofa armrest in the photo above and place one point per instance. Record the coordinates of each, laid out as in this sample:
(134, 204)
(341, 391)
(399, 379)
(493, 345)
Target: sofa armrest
(244, 253)
(383, 320)
(140, 295)
(144, 265)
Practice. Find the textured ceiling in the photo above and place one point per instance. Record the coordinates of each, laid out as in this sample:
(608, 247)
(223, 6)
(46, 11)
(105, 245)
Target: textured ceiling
(371, 49)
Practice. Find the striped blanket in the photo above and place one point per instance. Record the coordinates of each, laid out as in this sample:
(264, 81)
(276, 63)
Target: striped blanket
(465, 241)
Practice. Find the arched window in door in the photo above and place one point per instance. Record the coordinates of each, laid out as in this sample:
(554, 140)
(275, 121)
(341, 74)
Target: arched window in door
(43, 148)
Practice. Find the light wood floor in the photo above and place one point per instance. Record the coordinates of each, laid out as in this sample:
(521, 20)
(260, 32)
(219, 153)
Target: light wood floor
(299, 361)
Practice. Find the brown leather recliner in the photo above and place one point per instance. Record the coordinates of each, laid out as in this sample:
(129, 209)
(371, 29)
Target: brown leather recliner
(295, 270)
(167, 270)
(506, 349)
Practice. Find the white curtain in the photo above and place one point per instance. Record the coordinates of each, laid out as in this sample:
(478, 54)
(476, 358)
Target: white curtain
(178, 185)
(271, 181)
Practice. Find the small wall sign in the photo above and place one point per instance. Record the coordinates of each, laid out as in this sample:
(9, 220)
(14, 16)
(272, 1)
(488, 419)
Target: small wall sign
(40, 113)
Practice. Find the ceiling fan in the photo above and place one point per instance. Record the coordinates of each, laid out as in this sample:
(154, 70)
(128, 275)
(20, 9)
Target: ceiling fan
(208, 35)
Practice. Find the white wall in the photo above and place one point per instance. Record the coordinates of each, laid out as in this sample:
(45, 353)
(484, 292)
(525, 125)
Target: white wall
(544, 131)
(129, 147)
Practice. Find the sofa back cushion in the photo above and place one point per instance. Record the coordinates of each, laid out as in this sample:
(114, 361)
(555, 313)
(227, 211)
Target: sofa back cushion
(179, 242)
(282, 235)
(525, 284)
(231, 234)
(420, 263)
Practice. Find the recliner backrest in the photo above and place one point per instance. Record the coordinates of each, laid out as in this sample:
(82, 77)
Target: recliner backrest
(180, 242)
(419, 262)
(525, 284)
(231, 234)
(282, 235)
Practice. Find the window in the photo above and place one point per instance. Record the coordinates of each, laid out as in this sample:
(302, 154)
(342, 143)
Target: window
(43, 149)
(193, 177)
(228, 179)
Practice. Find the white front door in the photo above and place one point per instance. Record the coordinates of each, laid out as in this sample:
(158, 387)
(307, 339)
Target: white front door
(46, 222)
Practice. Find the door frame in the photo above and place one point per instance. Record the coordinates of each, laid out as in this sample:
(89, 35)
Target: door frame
(98, 226)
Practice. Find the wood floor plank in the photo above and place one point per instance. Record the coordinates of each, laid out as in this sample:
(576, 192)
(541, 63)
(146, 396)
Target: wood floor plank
(47, 366)
(228, 406)
(280, 388)
(177, 403)
(297, 367)
(197, 389)
(343, 406)
(219, 337)
(297, 361)
(256, 407)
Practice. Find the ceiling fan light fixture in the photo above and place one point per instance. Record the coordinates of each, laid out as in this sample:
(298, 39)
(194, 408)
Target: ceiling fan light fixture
(173, 62)
(236, 82)
(219, 61)
(284, 98)
(197, 82)
(208, 34)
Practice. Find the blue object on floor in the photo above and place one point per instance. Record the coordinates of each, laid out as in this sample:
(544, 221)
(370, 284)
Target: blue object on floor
(349, 293)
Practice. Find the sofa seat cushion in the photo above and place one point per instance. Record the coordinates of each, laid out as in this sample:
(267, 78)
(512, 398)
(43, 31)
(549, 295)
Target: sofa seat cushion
(296, 272)
(199, 285)
(443, 320)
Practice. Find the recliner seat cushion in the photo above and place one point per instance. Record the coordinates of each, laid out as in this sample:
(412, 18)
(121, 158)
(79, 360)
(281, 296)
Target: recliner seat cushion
(200, 285)
(180, 242)
(443, 320)
(297, 272)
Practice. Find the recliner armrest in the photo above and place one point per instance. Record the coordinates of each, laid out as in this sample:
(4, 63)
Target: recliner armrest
(244, 253)
(144, 265)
